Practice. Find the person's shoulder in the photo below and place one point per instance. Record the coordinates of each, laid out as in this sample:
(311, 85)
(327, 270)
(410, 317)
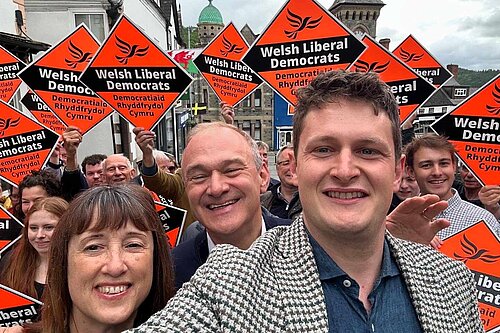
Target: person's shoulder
(188, 249)
(424, 257)
(227, 260)
(474, 213)
(272, 220)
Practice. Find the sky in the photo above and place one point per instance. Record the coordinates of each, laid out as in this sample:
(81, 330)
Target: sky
(462, 32)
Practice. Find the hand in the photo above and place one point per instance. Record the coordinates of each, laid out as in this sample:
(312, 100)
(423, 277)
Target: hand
(54, 157)
(436, 243)
(72, 137)
(413, 219)
(490, 197)
(145, 141)
(227, 112)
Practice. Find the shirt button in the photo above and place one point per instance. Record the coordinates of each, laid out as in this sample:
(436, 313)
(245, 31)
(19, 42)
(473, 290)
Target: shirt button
(347, 283)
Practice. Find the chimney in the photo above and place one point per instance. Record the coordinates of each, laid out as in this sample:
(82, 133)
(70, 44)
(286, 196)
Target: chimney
(453, 69)
(385, 42)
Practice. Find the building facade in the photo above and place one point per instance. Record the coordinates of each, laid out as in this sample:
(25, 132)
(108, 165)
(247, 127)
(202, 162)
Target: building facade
(51, 20)
(254, 114)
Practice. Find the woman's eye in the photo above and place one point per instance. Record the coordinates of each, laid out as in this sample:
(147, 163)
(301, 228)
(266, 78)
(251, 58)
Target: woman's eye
(91, 248)
(135, 246)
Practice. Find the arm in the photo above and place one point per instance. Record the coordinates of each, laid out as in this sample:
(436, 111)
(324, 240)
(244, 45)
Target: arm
(53, 164)
(167, 185)
(190, 310)
(72, 179)
(227, 112)
(413, 219)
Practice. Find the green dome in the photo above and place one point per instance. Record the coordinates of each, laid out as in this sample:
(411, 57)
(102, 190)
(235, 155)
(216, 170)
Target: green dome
(210, 14)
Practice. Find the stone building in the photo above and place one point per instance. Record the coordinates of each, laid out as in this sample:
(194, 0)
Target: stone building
(254, 114)
(360, 16)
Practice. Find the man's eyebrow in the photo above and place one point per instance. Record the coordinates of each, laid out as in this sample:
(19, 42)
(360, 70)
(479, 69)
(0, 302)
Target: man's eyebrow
(203, 167)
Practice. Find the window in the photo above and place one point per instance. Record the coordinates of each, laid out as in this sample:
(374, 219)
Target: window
(257, 133)
(247, 127)
(95, 22)
(205, 95)
(353, 15)
(247, 102)
(444, 109)
(460, 92)
(347, 15)
(257, 96)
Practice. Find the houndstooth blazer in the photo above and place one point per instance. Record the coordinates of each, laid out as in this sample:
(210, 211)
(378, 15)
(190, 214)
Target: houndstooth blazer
(274, 287)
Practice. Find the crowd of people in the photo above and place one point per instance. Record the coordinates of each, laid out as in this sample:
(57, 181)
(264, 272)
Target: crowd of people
(344, 241)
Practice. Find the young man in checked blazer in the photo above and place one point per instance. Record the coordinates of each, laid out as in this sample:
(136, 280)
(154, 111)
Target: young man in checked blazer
(336, 268)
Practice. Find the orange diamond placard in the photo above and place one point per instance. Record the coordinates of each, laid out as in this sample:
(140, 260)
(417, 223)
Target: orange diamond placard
(10, 65)
(410, 89)
(17, 308)
(220, 64)
(25, 145)
(302, 40)
(474, 128)
(172, 219)
(422, 61)
(10, 230)
(54, 78)
(42, 113)
(135, 76)
(479, 248)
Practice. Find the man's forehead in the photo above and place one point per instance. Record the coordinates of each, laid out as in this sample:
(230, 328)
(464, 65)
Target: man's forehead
(117, 160)
(429, 153)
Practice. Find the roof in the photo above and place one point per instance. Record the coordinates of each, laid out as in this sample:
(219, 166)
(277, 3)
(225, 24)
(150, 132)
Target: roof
(439, 98)
(21, 45)
(210, 14)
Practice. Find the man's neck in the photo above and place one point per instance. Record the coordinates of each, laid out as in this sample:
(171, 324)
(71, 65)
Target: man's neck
(287, 191)
(472, 194)
(243, 237)
(359, 257)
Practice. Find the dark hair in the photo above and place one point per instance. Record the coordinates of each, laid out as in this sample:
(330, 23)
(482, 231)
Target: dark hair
(45, 179)
(110, 207)
(432, 141)
(92, 160)
(334, 86)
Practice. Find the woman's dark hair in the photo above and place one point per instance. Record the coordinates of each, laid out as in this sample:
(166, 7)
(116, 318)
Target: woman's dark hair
(96, 209)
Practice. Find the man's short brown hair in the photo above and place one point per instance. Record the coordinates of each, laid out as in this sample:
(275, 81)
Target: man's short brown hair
(432, 141)
(334, 86)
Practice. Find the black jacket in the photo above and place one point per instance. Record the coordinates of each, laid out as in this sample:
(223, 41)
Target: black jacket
(193, 253)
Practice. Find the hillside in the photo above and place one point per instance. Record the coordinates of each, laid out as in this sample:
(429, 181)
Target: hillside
(475, 79)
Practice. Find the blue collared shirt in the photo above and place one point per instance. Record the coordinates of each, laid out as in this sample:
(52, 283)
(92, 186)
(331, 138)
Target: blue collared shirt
(392, 309)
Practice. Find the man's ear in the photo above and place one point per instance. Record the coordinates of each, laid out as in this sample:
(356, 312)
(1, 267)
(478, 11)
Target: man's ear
(293, 167)
(132, 173)
(398, 172)
(265, 177)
